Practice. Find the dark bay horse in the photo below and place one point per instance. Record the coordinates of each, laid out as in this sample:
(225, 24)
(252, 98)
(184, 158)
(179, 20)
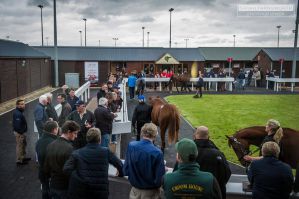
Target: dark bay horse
(254, 135)
(167, 117)
(179, 80)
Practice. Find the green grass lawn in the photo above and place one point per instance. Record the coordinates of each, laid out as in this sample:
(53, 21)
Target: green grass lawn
(225, 114)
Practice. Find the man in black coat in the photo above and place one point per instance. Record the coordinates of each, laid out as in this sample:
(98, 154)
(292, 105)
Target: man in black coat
(20, 128)
(50, 135)
(141, 115)
(50, 109)
(85, 119)
(199, 85)
(58, 152)
(66, 108)
(104, 118)
(102, 92)
(72, 99)
(211, 159)
(268, 176)
(88, 168)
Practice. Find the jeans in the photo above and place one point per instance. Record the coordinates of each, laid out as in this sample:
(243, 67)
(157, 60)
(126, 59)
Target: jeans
(131, 90)
(105, 140)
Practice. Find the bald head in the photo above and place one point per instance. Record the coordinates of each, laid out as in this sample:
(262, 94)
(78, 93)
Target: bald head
(202, 132)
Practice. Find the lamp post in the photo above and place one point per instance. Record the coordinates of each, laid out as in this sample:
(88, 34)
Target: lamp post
(55, 45)
(80, 31)
(278, 28)
(84, 19)
(41, 22)
(170, 11)
(115, 39)
(294, 64)
(148, 39)
(234, 40)
(143, 36)
(186, 41)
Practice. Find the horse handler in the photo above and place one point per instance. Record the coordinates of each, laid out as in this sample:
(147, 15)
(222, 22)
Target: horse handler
(199, 86)
(141, 115)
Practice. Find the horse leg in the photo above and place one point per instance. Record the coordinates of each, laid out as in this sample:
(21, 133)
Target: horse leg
(163, 131)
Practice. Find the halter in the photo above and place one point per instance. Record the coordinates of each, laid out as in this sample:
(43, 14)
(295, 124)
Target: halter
(242, 149)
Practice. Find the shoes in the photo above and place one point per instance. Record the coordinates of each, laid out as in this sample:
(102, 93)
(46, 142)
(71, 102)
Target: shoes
(21, 163)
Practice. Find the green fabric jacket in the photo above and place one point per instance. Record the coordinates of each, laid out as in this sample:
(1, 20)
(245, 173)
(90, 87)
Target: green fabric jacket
(189, 182)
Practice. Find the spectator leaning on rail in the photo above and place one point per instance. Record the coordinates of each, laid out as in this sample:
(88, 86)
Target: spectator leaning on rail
(189, 181)
(144, 165)
(85, 119)
(40, 115)
(211, 159)
(104, 118)
(88, 168)
(58, 152)
(72, 99)
(49, 135)
(131, 84)
(66, 108)
(19, 124)
(269, 177)
(141, 115)
(50, 110)
(275, 134)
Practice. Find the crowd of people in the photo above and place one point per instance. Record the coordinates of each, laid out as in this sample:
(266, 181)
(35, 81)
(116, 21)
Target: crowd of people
(73, 152)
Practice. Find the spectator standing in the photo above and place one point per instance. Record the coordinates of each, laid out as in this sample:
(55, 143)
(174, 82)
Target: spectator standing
(104, 118)
(88, 168)
(140, 82)
(206, 75)
(102, 92)
(131, 84)
(144, 165)
(66, 90)
(211, 159)
(269, 177)
(50, 110)
(72, 99)
(141, 115)
(189, 181)
(66, 108)
(40, 115)
(50, 135)
(257, 75)
(241, 79)
(58, 152)
(85, 119)
(249, 77)
(20, 128)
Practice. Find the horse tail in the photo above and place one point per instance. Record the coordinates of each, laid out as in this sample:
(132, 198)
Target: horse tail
(278, 135)
(173, 122)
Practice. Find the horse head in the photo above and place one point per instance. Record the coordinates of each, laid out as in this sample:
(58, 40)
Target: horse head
(239, 149)
(154, 99)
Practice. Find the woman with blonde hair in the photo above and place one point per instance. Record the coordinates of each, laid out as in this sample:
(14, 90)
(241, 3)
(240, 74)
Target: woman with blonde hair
(275, 134)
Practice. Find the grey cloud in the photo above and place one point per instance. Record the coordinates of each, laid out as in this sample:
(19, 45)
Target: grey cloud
(147, 19)
(38, 2)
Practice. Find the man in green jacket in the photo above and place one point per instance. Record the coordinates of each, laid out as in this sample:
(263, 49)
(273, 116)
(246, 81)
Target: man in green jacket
(188, 180)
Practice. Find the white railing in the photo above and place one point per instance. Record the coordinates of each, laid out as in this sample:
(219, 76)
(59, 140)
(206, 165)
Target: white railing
(228, 80)
(278, 81)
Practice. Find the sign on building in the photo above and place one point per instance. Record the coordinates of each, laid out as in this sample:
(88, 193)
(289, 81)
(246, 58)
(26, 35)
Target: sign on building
(91, 72)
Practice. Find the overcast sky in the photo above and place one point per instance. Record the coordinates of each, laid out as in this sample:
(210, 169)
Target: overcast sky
(204, 22)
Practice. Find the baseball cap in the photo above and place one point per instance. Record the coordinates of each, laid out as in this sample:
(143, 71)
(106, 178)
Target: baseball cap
(141, 97)
(186, 147)
(79, 102)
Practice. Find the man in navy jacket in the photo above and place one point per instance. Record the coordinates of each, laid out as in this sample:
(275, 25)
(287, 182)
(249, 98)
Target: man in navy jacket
(270, 178)
(20, 128)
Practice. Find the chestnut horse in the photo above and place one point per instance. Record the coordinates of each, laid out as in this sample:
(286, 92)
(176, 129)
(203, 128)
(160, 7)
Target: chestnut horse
(254, 135)
(167, 117)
